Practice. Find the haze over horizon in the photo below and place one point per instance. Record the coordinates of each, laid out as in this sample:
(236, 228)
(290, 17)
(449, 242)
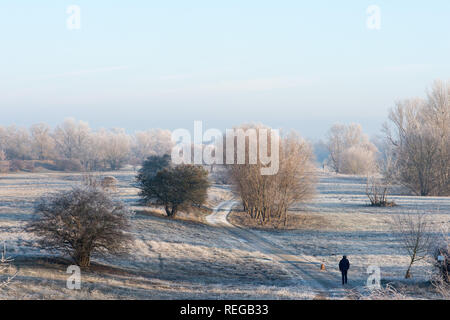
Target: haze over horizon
(141, 65)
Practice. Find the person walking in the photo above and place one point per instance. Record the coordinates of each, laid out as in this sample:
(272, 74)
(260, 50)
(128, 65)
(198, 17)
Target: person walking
(344, 265)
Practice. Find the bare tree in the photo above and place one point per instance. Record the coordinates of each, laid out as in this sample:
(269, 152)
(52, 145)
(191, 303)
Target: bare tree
(112, 147)
(72, 139)
(358, 160)
(438, 115)
(350, 150)
(81, 222)
(16, 143)
(267, 198)
(152, 142)
(336, 146)
(296, 180)
(42, 142)
(415, 236)
(74, 145)
(419, 135)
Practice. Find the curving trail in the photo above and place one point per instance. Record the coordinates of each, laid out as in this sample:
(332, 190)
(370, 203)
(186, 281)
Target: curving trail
(305, 270)
(219, 216)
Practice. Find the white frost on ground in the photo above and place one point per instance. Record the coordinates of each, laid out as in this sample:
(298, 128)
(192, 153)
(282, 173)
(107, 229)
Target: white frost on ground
(173, 259)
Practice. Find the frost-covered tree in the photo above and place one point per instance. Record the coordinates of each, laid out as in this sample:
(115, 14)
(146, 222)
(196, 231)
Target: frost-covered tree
(350, 150)
(72, 139)
(113, 147)
(73, 144)
(358, 159)
(81, 222)
(16, 143)
(151, 142)
(267, 198)
(42, 142)
(415, 236)
(418, 133)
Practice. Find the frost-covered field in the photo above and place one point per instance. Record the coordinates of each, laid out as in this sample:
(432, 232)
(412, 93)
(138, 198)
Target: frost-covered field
(344, 223)
(173, 259)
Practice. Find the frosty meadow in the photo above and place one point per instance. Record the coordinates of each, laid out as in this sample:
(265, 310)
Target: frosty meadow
(225, 150)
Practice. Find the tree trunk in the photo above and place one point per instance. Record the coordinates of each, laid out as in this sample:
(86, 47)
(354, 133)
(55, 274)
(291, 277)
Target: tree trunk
(83, 259)
(171, 212)
(408, 272)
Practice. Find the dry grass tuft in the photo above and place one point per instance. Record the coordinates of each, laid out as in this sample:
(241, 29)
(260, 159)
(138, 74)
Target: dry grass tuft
(296, 221)
(193, 215)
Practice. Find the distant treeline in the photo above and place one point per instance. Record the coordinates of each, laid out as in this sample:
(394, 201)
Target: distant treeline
(74, 146)
(414, 150)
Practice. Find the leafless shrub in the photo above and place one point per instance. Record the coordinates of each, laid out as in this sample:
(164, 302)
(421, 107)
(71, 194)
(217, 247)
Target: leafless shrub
(5, 266)
(89, 179)
(415, 235)
(81, 222)
(442, 288)
(441, 254)
(109, 183)
(387, 292)
(267, 198)
(377, 191)
(94, 180)
(440, 280)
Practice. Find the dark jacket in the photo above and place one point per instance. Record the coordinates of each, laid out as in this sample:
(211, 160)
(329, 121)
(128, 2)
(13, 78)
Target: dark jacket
(344, 264)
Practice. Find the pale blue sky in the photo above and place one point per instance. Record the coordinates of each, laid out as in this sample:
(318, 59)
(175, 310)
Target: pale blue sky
(288, 64)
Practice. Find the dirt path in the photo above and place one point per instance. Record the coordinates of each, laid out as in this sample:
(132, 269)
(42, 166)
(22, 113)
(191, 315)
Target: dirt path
(305, 270)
